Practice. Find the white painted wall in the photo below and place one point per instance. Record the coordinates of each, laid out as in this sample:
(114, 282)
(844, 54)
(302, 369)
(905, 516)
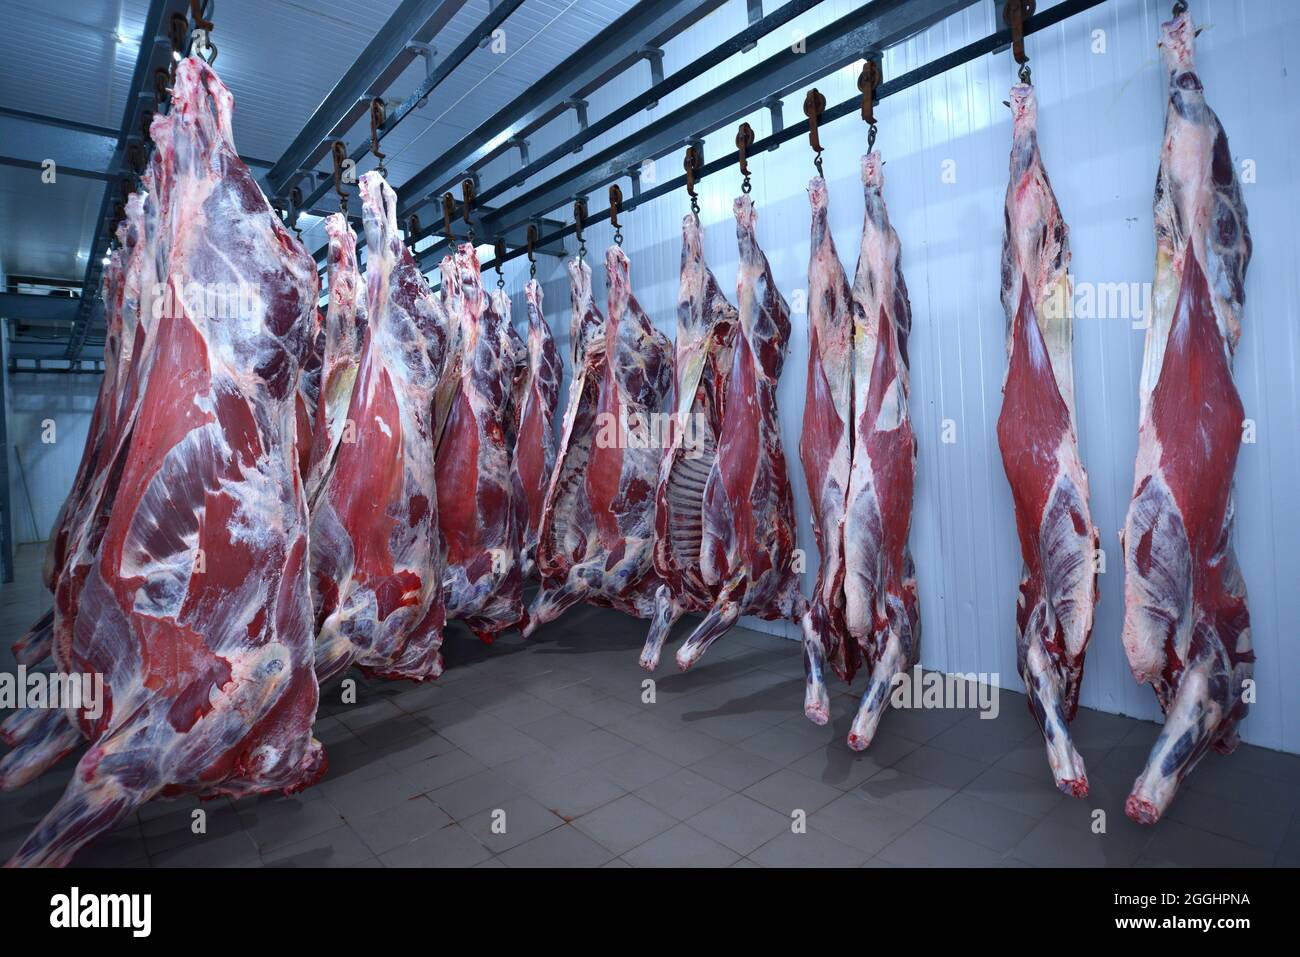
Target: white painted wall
(43, 472)
(1101, 117)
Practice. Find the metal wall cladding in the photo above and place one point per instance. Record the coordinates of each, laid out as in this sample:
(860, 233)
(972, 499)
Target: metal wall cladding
(1102, 95)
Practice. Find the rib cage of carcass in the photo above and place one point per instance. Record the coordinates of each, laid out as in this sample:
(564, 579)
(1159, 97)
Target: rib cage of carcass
(706, 330)
(859, 455)
(596, 539)
(1186, 624)
(746, 523)
(1038, 435)
(187, 588)
(482, 535)
(376, 560)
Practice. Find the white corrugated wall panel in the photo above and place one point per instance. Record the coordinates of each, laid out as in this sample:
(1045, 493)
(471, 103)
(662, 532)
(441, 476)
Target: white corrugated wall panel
(1101, 119)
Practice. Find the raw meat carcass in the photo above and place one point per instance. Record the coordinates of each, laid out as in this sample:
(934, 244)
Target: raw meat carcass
(1040, 451)
(482, 531)
(534, 447)
(747, 555)
(596, 540)
(345, 321)
(309, 379)
(376, 563)
(881, 606)
(706, 333)
(826, 451)
(196, 609)
(1186, 625)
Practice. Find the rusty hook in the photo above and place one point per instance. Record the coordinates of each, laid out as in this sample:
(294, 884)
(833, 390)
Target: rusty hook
(532, 249)
(744, 140)
(467, 204)
(413, 229)
(339, 154)
(814, 104)
(448, 214)
(499, 254)
(1015, 13)
(615, 205)
(692, 164)
(579, 224)
(377, 117)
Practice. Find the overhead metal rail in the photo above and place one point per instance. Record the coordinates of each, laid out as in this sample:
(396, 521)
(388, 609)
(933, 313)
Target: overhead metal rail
(972, 51)
(639, 34)
(874, 26)
(155, 54)
(499, 11)
(414, 25)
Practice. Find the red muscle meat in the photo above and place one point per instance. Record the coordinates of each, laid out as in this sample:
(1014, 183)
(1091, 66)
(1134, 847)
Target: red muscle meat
(536, 441)
(196, 609)
(706, 333)
(482, 533)
(345, 321)
(1186, 625)
(596, 540)
(1040, 451)
(376, 563)
(747, 553)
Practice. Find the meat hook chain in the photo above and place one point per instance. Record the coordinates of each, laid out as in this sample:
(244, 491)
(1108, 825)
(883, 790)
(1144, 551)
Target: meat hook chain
(413, 230)
(691, 164)
(1016, 12)
(339, 153)
(1180, 7)
(467, 198)
(295, 200)
(744, 140)
(532, 251)
(377, 117)
(448, 214)
(814, 104)
(868, 80)
(579, 224)
(616, 204)
(499, 251)
(201, 14)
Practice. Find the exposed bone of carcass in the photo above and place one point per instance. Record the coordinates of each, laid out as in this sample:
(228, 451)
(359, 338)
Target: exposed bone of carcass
(596, 540)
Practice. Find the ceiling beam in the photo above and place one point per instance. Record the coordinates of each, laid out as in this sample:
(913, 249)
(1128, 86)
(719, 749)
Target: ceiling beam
(380, 63)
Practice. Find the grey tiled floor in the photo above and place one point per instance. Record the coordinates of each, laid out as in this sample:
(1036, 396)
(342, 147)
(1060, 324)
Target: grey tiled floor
(552, 737)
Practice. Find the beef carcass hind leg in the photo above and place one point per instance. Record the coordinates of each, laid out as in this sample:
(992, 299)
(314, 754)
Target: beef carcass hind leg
(535, 446)
(1186, 624)
(1040, 451)
(749, 534)
(881, 608)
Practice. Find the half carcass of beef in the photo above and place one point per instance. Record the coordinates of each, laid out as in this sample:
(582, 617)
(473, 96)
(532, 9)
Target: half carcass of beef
(748, 547)
(706, 334)
(1186, 624)
(536, 441)
(482, 533)
(376, 561)
(345, 321)
(196, 609)
(1040, 451)
(596, 541)
(881, 610)
(826, 452)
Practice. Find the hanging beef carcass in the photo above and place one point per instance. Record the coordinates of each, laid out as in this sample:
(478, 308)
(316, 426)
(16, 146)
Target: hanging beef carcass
(1186, 625)
(534, 447)
(881, 609)
(41, 738)
(596, 540)
(196, 610)
(482, 532)
(376, 562)
(305, 405)
(706, 332)
(345, 321)
(826, 451)
(747, 555)
(1040, 451)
